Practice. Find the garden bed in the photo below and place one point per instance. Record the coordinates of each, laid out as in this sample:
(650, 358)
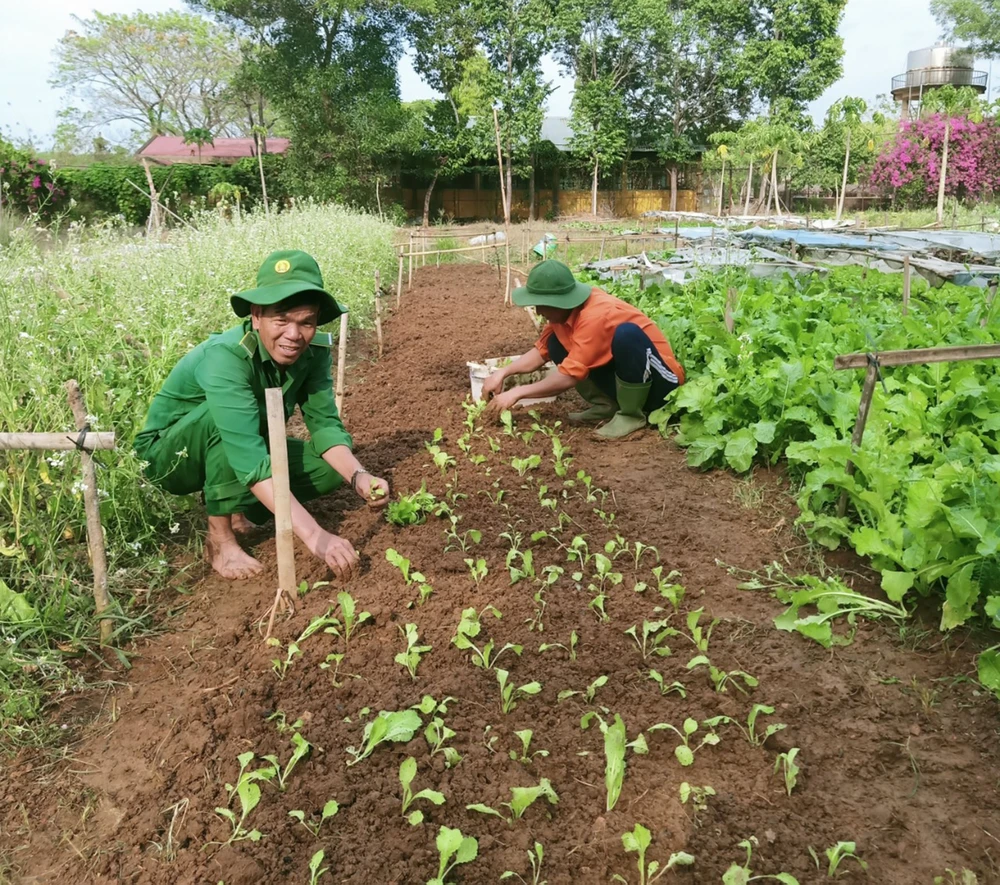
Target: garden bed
(898, 751)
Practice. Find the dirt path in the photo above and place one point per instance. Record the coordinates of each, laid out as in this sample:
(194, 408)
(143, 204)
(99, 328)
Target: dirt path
(896, 753)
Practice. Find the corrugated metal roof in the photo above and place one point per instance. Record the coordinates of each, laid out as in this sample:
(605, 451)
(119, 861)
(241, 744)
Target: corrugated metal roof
(172, 149)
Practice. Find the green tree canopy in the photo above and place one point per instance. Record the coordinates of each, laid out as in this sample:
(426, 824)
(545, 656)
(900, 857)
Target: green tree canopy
(976, 22)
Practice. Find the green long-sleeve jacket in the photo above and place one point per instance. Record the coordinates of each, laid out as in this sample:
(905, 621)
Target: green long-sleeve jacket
(230, 372)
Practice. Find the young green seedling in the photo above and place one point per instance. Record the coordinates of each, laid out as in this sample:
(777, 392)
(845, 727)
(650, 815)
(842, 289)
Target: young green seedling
(436, 733)
(665, 689)
(697, 796)
(463, 541)
(614, 753)
(962, 877)
(477, 569)
(840, 852)
(535, 858)
(789, 768)
(638, 841)
(742, 874)
(469, 628)
(407, 772)
(754, 737)
(588, 693)
(722, 679)
(570, 649)
(666, 587)
(525, 568)
(452, 844)
(442, 460)
(523, 465)
(410, 659)
(546, 502)
(280, 666)
(596, 605)
(537, 620)
(282, 724)
(351, 617)
(578, 551)
(507, 420)
(654, 638)
(399, 727)
(410, 509)
(332, 662)
(522, 798)
(315, 865)
(329, 810)
(605, 575)
(320, 622)
(696, 633)
(509, 694)
(684, 751)
(300, 748)
(526, 755)
(248, 793)
(561, 458)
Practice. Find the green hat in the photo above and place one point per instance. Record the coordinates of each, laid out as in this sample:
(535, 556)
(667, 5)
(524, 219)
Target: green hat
(282, 275)
(551, 284)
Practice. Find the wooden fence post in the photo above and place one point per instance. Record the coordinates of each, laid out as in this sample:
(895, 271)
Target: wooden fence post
(864, 406)
(906, 285)
(409, 273)
(284, 537)
(91, 502)
(378, 311)
(341, 360)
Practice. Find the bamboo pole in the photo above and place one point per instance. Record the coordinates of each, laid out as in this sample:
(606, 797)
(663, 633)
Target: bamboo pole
(731, 298)
(378, 311)
(920, 355)
(409, 273)
(283, 535)
(506, 206)
(906, 285)
(58, 442)
(341, 361)
(399, 279)
(864, 406)
(95, 532)
(991, 290)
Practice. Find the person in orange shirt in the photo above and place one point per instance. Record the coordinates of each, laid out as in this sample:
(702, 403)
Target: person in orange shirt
(614, 355)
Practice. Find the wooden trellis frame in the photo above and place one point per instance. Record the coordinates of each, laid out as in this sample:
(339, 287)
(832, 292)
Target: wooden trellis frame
(873, 363)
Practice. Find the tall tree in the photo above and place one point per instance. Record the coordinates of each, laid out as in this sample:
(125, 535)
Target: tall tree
(164, 73)
(976, 22)
(846, 119)
(950, 102)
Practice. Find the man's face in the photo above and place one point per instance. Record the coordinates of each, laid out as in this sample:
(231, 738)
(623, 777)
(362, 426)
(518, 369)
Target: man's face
(553, 314)
(285, 334)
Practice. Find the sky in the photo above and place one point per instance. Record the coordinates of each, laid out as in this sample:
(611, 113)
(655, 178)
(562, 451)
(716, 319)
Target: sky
(877, 36)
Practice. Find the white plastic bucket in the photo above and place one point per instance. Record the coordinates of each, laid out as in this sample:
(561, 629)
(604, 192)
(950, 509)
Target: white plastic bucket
(479, 372)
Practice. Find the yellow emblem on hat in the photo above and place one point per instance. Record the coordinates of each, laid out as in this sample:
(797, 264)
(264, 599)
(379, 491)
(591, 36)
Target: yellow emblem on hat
(283, 266)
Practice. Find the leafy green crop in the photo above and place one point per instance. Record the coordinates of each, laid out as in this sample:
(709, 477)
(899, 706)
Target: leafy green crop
(452, 844)
(638, 841)
(407, 772)
(614, 753)
(399, 727)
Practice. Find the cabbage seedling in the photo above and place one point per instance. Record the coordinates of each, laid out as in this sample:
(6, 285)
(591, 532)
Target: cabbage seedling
(280, 666)
(684, 751)
(509, 693)
(596, 605)
(697, 796)
(452, 844)
(526, 755)
(523, 465)
(665, 689)
(387, 726)
(410, 659)
(638, 841)
(247, 792)
(522, 798)
(407, 772)
(527, 567)
(300, 748)
(614, 753)
(535, 858)
(410, 509)
(315, 862)
(722, 678)
(840, 852)
(654, 638)
(742, 874)
(588, 692)
(442, 460)
(436, 733)
(670, 591)
(352, 619)
(477, 569)
(461, 541)
(790, 769)
(329, 810)
(570, 649)
(469, 628)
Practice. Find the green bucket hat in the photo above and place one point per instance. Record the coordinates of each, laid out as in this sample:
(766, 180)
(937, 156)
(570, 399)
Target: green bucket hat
(282, 275)
(551, 284)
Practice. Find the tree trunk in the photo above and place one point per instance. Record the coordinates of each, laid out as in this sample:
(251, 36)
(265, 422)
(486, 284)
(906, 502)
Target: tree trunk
(774, 184)
(593, 189)
(763, 197)
(722, 184)
(944, 172)
(746, 205)
(843, 183)
(531, 189)
(673, 187)
(427, 199)
(260, 166)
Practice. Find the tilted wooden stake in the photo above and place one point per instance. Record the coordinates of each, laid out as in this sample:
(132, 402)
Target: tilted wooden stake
(399, 279)
(95, 533)
(283, 534)
(378, 311)
(341, 360)
(906, 285)
(864, 407)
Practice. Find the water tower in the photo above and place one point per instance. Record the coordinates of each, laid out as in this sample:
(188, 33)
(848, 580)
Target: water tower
(933, 67)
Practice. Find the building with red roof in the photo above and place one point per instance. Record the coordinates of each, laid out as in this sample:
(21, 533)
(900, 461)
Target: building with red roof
(169, 149)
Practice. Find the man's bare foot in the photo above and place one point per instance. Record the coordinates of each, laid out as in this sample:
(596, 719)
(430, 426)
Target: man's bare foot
(224, 553)
(242, 525)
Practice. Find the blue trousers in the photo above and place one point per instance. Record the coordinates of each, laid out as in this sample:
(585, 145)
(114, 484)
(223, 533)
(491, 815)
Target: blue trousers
(634, 359)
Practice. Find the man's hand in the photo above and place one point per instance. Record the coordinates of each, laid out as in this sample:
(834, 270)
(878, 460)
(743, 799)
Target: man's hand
(502, 403)
(374, 490)
(493, 384)
(337, 553)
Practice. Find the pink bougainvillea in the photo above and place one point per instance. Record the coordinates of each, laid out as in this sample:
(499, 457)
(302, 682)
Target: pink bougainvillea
(910, 163)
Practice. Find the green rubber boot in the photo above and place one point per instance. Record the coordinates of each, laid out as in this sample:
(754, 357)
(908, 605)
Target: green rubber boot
(630, 417)
(602, 405)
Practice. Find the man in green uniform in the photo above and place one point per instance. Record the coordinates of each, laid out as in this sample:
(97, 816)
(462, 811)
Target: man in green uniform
(207, 427)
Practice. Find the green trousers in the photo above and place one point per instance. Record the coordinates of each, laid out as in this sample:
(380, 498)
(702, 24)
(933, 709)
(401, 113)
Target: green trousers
(189, 457)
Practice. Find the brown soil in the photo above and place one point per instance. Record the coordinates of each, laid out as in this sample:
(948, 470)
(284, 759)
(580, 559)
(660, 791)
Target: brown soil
(898, 750)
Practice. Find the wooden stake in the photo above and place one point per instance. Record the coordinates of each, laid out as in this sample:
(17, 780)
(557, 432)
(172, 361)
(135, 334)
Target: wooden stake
(603, 240)
(731, 298)
(506, 209)
(906, 285)
(677, 231)
(991, 291)
(58, 442)
(409, 273)
(341, 360)
(399, 279)
(95, 533)
(920, 355)
(871, 376)
(283, 535)
(378, 311)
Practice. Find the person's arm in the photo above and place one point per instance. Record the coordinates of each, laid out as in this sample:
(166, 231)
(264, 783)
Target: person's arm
(526, 362)
(342, 459)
